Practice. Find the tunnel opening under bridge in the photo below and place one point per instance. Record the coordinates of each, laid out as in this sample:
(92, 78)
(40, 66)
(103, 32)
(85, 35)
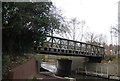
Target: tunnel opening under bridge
(95, 59)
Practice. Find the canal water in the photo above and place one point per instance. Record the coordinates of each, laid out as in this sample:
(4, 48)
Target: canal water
(78, 77)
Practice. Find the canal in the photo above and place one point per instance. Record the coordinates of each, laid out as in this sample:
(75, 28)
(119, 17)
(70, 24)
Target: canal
(77, 76)
(77, 62)
(80, 77)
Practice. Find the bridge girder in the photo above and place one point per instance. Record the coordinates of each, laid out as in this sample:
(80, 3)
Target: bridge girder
(60, 46)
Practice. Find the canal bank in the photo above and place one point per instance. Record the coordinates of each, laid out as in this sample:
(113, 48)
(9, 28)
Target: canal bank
(103, 70)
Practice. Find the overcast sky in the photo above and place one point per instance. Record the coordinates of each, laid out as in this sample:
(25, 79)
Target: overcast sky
(98, 14)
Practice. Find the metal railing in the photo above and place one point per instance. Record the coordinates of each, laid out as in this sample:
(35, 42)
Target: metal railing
(66, 46)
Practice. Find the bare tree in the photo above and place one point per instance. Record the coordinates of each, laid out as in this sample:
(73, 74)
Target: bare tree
(62, 28)
(82, 26)
(76, 29)
(90, 37)
(115, 34)
(115, 30)
(73, 27)
(102, 39)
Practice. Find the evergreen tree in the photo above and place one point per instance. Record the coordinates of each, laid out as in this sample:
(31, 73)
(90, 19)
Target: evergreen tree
(25, 24)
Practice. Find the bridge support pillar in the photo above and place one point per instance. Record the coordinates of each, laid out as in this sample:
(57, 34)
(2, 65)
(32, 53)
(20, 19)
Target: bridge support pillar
(64, 67)
(95, 59)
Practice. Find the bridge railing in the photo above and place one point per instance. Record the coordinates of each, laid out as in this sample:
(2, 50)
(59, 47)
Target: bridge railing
(66, 44)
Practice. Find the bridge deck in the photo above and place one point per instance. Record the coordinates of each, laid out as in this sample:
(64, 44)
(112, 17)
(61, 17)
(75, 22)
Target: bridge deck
(59, 46)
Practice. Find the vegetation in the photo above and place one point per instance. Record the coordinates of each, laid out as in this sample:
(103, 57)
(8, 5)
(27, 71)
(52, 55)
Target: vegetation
(26, 24)
(9, 62)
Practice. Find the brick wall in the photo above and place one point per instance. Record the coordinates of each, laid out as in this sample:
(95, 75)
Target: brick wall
(25, 71)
